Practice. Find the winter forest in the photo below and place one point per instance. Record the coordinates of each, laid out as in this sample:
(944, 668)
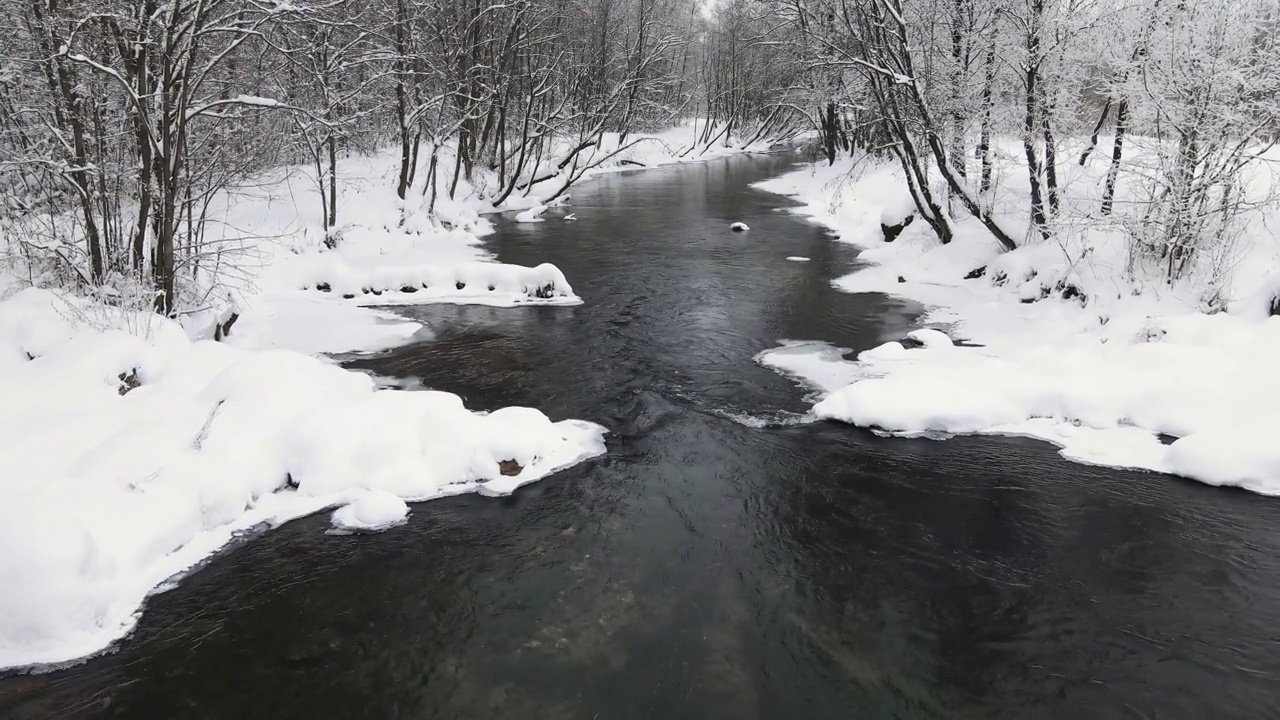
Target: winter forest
(122, 122)
(264, 259)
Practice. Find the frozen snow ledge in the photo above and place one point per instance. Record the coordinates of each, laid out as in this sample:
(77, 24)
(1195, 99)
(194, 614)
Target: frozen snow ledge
(130, 457)
(1207, 383)
(472, 283)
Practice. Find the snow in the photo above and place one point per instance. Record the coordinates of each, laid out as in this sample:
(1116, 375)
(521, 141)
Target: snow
(257, 101)
(532, 215)
(294, 292)
(274, 263)
(478, 283)
(313, 325)
(739, 227)
(929, 337)
(376, 510)
(1110, 371)
(797, 258)
(107, 495)
(814, 363)
(897, 210)
(1130, 391)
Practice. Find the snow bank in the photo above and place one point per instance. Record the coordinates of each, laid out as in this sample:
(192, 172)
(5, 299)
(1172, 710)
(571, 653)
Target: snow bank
(469, 283)
(1117, 369)
(376, 510)
(532, 215)
(1214, 393)
(273, 255)
(132, 456)
(814, 363)
(311, 323)
(298, 288)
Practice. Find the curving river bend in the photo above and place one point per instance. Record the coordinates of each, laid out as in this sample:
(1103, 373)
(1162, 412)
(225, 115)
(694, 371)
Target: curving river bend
(720, 561)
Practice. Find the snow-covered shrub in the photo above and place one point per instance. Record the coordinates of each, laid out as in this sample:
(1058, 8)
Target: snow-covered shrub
(1204, 89)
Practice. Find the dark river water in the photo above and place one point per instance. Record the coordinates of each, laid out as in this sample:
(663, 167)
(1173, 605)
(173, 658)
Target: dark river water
(705, 568)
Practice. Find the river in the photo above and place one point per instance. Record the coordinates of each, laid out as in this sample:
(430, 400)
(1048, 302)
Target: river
(722, 560)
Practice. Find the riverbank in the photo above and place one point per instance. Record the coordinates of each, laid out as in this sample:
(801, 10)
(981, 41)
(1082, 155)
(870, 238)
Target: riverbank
(1065, 344)
(136, 447)
(295, 286)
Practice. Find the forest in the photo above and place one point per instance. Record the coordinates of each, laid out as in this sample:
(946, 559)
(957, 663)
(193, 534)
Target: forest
(120, 121)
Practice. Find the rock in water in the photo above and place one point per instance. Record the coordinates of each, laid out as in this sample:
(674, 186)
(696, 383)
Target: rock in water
(739, 227)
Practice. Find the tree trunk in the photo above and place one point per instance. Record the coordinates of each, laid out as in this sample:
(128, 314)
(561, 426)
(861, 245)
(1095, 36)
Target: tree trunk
(1117, 154)
(333, 182)
(1031, 123)
(829, 133)
(956, 139)
(1093, 139)
(1050, 156)
(984, 141)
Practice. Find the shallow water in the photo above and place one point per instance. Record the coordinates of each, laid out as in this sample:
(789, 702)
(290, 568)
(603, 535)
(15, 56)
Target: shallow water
(721, 561)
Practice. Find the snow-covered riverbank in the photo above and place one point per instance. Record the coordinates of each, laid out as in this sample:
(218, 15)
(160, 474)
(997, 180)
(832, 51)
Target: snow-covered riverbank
(131, 456)
(135, 447)
(294, 292)
(1069, 347)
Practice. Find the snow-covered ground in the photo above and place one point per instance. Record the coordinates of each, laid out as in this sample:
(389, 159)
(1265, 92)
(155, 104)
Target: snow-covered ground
(133, 453)
(1064, 342)
(293, 292)
(135, 447)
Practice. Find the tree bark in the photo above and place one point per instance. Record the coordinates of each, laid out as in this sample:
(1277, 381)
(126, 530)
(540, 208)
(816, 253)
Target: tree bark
(1097, 128)
(1117, 155)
